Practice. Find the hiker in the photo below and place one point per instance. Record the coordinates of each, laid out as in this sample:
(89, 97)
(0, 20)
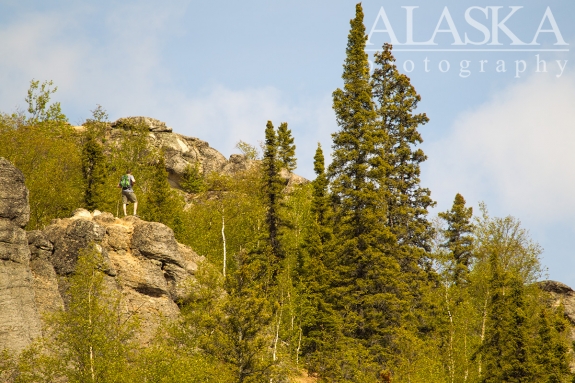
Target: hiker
(126, 183)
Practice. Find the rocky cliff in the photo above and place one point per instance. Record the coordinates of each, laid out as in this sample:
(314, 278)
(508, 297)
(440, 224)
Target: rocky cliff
(19, 319)
(145, 263)
(181, 151)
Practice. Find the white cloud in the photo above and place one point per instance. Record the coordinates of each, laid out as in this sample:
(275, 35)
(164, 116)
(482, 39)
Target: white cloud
(113, 55)
(94, 54)
(515, 152)
(223, 117)
(32, 47)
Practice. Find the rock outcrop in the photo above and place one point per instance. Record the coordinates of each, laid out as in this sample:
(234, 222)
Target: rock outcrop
(561, 293)
(152, 124)
(181, 151)
(19, 319)
(143, 261)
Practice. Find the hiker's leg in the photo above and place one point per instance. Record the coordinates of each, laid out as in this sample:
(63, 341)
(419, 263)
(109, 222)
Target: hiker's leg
(124, 206)
(135, 208)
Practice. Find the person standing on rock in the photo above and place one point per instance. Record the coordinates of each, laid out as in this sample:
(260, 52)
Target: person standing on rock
(126, 183)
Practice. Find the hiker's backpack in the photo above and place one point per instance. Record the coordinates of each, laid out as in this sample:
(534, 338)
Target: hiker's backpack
(125, 182)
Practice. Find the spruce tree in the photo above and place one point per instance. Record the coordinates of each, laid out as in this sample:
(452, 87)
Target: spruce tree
(193, 180)
(551, 351)
(459, 238)
(94, 170)
(273, 189)
(505, 350)
(368, 292)
(407, 202)
(286, 148)
(231, 322)
(320, 202)
(160, 204)
(319, 320)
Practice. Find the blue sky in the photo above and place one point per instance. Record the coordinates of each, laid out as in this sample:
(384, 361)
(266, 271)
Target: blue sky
(219, 70)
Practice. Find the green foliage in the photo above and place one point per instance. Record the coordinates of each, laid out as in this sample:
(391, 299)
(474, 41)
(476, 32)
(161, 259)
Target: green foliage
(314, 271)
(90, 341)
(370, 292)
(396, 101)
(406, 201)
(273, 188)
(234, 204)
(124, 148)
(247, 313)
(286, 148)
(94, 164)
(295, 215)
(250, 151)
(344, 275)
(38, 99)
(161, 202)
(232, 328)
(94, 171)
(44, 148)
(459, 238)
(193, 181)
(551, 351)
(167, 363)
(7, 365)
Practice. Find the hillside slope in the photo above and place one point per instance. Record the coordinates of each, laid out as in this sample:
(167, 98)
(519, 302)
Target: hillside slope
(143, 261)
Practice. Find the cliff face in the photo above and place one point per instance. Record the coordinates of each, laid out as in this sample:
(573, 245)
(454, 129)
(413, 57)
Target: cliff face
(144, 262)
(19, 319)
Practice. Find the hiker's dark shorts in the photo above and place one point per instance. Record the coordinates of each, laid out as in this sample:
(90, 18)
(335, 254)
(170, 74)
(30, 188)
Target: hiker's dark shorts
(128, 196)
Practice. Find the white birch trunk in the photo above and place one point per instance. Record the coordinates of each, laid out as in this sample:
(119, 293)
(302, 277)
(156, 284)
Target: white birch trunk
(224, 241)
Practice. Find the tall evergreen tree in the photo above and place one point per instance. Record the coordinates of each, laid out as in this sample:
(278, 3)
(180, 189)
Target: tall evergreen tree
(368, 293)
(94, 170)
(161, 206)
(273, 189)
(407, 202)
(320, 203)
(505, 350)
(459, 237)
(319, 320)
(286, 148)
(94, 163)
(551, 351)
